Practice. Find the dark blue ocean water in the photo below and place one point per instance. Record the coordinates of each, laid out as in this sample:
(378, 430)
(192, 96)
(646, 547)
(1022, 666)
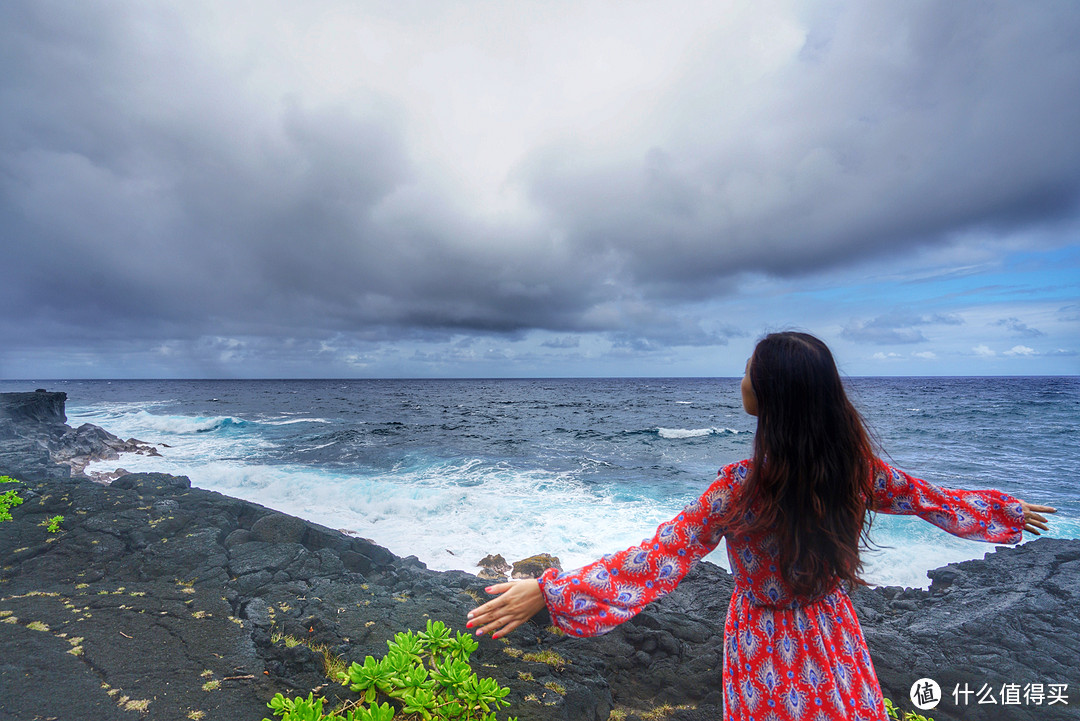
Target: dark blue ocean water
(451, 470)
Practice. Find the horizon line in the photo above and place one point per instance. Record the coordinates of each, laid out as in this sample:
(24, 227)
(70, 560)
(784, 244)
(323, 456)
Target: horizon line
(492, 378)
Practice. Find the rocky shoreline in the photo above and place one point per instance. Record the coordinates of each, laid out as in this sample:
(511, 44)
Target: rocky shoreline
(35, 440)
(159, 600)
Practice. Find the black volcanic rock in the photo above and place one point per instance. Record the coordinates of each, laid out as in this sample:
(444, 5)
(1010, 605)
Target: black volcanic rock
(1011, 618)
(27, 422)
(36, 442)
(39, 407)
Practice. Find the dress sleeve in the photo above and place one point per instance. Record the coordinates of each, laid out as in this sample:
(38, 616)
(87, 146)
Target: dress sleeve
(595, 598)
(989, 515)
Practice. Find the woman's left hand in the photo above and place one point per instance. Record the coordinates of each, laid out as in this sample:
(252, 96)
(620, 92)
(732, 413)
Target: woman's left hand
(517, 602)
(1033, 521)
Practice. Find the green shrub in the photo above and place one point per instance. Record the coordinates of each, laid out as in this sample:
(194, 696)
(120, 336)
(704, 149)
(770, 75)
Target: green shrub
(311, 709)
(8, 499)
(426, 675)
(52, 525)
(895, 713)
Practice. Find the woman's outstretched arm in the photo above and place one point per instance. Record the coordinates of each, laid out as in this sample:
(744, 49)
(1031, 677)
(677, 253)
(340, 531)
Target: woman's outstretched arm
(984, 515)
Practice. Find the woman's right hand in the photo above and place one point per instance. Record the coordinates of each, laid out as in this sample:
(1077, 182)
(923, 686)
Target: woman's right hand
(517, 602)
(1033, 521)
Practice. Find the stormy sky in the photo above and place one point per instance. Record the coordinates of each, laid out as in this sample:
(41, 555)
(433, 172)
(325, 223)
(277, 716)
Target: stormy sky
(342, 188)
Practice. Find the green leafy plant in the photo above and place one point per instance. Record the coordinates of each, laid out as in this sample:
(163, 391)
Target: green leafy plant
(8, 499)
(894, 712)
(429, 674)
(425, 675)
(311, 709)
(52, 525)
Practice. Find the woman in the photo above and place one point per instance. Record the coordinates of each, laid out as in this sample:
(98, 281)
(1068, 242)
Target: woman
(793, 516)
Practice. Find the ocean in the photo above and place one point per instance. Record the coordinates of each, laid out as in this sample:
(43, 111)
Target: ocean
(452, 470)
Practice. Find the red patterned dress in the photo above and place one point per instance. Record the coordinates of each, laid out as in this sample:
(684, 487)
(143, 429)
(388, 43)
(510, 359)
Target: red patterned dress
(786, 657)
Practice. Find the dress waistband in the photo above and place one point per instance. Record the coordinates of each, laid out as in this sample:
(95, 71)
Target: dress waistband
(785, 600)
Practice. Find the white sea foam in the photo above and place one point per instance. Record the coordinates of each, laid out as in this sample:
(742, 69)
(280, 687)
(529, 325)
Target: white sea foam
(676, 433)
(292, 421)
(183, 425)
(114, 409)
(308, 449)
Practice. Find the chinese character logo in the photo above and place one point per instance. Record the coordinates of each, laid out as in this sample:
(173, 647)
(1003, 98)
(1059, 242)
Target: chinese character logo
(925, 694)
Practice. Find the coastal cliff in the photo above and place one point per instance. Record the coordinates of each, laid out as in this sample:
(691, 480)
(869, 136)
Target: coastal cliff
(36, 442)
(171, 602)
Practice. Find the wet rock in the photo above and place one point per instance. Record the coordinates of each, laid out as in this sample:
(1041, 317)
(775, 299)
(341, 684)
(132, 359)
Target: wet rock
(534, 566)
(493, 568)
(279, 528)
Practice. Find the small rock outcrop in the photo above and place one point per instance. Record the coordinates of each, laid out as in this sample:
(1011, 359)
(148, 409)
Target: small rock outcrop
(493, 568)
(534, 566)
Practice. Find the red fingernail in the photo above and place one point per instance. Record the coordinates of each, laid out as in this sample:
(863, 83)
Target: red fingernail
(468, 625)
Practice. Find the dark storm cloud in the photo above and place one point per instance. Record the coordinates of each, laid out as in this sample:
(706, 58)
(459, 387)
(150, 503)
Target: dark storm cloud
(209, 218)
(894, 328)
(148, 188)
(908, 125)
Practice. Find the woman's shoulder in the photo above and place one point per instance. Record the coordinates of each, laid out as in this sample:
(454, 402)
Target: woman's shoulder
(737, 470)
(721, 492)
(880, 467)
(732, 475)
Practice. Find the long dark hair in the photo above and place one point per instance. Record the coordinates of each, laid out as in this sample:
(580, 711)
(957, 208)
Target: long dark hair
(811, 481)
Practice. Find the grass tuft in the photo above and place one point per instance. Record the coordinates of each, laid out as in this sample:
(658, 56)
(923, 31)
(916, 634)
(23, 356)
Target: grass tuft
(662, 712)
(140, 705)
(551, 658)
(333, 665)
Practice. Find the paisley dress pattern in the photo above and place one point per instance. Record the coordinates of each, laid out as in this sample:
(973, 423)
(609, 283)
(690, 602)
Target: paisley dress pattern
(786, 657)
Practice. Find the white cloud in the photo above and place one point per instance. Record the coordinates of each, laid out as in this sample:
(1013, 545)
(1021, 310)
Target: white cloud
(984, 351)
(886, 356)
(1021, 350)
(926, 354)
